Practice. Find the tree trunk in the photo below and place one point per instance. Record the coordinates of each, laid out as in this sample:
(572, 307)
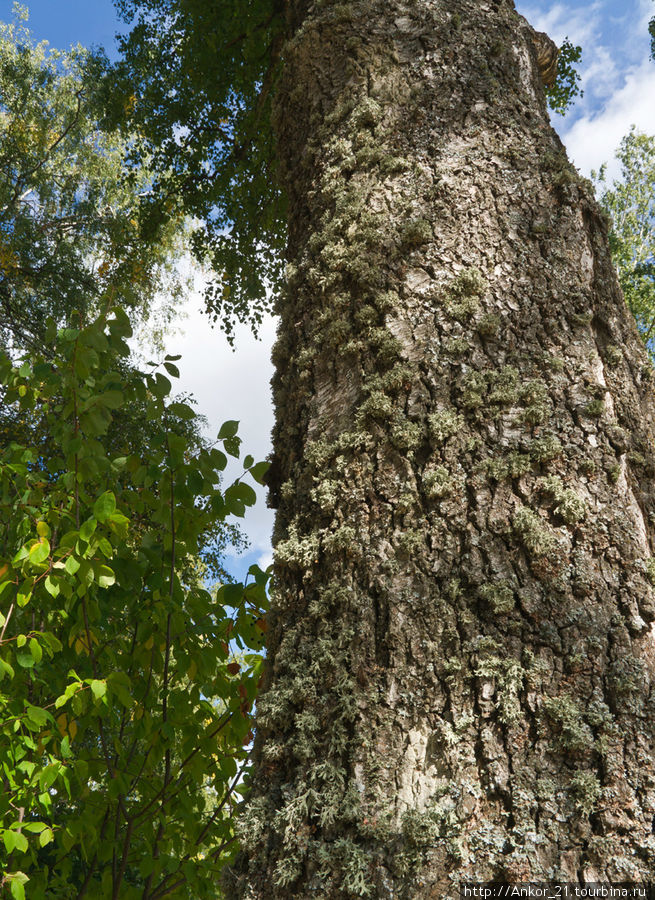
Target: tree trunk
(461, 659)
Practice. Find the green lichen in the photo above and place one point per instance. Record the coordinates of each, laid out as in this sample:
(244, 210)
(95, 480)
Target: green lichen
(586, 791)
(613, 355)
(564, 713)
(508, 675)
(414, 233)
(410, 542)
(297, 552)
(504, 386)
(614, 473)
(495, 469)
(406, 435)
(554, 363)
(345, 538)
(595, 408)
(440, 482)
(391, 165)
(568, 505)
(377, 406)
(444, 424)
(581, 319)
(534, 533)
(588, 466)
(534, 395)
(545, 448)
(457, 346)
(513, 465)
(626, 677)
(650, 569)
(326, 494)
(499, 595)
(488, 325)
(367, 113)
(464, 292)
(474, 387)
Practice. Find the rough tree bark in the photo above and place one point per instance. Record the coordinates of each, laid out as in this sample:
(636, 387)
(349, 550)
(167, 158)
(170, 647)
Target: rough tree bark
(460, 675)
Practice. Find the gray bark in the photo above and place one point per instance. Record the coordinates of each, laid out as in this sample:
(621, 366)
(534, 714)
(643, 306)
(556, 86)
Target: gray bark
(459, 680)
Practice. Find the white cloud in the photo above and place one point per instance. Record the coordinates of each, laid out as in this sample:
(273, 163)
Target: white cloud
(593, 139)
(580, 25)
(231, 384)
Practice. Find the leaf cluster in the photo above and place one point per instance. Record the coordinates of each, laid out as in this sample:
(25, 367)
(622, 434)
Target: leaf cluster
(71, 221)
(561, 95)
(193, 89)
(630, 204)
(125, 717)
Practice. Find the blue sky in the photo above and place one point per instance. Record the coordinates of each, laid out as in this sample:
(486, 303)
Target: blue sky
(66, 22)
(619, 83)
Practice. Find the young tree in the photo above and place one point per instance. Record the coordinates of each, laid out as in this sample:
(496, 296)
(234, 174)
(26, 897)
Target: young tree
(630, 204)
(76, 227)
(125, 717)
(459, 676)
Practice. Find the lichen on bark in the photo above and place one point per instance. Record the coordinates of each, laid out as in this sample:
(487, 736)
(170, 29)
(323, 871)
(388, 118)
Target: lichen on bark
(459, 679)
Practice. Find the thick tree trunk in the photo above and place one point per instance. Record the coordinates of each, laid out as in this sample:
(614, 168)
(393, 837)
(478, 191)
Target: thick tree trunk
(460, 677)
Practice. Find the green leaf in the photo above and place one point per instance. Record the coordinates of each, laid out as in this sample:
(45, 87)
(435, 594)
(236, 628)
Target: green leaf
(87, 528)
(232, 446)
(52, 586)
(72, 565)
(25, 659)
(228, 429)
(182, 411)
(35, 650)
(111, 399)
(159, 385)
(259, 470)
(177, 446)
(119, 524)
(98, 688)
(39, 551)
(172, 369)
(105, 576)
(105, 548)
(9, 840)
(6, 669)
(105, 506)
(17, 889)
(47, 836)
(21, 844)
(37, 715)
(25, 592)
(245, 493)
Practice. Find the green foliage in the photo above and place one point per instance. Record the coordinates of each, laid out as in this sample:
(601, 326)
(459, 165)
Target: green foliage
(561, 95)
(72, 233)
(630, 204)
(125, 716)
(195, 84)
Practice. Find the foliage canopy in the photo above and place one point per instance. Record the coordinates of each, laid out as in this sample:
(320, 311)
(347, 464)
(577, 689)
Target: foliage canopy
(630, 204)
(126, 684)
(71, 219)
(194, 85)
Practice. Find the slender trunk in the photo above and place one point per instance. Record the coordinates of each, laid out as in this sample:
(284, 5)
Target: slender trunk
(459, 674)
